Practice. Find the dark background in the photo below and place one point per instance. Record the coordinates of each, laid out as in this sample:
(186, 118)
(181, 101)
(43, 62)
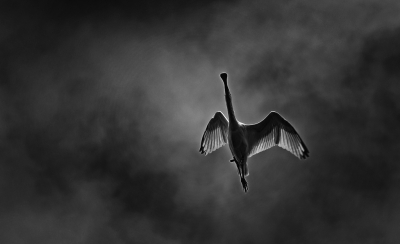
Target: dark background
(103, 105)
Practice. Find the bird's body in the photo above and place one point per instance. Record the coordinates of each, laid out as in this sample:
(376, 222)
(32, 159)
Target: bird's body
(246, 140)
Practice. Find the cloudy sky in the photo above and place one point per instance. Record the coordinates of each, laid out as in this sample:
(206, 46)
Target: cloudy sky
(103, 105)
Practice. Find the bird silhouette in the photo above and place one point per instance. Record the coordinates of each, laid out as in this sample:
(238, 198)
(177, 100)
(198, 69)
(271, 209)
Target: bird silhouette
(246, 140)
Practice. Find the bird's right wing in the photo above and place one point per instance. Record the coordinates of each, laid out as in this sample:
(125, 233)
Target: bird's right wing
(216, 134)
(275, 131)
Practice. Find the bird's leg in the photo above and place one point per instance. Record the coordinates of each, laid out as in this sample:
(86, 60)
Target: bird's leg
(242, 179)
(241, 174)
(244, 184)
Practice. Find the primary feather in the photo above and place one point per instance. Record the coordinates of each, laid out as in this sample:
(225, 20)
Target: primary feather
(274, 130)
(216, 134)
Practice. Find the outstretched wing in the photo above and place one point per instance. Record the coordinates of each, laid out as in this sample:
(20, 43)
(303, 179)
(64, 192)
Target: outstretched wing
(275, 131)
(216, 134)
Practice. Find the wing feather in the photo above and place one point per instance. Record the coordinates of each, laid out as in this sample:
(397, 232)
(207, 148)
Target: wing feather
(292, 142)
(212, 144)
(215, 135)
(274, 130)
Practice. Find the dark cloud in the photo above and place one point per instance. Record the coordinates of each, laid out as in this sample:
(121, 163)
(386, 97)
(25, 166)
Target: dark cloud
(103, 105)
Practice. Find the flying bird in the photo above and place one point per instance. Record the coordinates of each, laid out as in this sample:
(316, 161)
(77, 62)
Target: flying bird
(247, 140)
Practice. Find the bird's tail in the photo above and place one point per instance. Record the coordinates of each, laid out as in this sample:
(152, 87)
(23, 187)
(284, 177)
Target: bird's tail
(243, 170)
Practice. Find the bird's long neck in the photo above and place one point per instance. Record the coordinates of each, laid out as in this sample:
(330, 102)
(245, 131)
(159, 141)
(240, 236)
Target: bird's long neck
(228, 99)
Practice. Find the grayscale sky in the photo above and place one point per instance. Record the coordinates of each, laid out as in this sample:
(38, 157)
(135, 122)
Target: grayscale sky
(103, 105)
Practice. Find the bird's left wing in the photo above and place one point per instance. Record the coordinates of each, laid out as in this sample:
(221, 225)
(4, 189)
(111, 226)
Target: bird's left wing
(216, 134)
(275, 131)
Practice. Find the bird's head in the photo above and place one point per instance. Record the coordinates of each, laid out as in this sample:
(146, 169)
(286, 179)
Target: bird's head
(224, 77)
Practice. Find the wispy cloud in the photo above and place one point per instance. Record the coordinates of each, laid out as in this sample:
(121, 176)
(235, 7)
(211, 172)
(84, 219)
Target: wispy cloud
(103, 107)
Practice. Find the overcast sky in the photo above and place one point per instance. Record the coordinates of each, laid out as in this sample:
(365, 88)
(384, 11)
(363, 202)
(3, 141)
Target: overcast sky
(103, 105)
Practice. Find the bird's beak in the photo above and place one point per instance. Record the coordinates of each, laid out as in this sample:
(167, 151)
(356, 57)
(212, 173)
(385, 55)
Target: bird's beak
(224, 77)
